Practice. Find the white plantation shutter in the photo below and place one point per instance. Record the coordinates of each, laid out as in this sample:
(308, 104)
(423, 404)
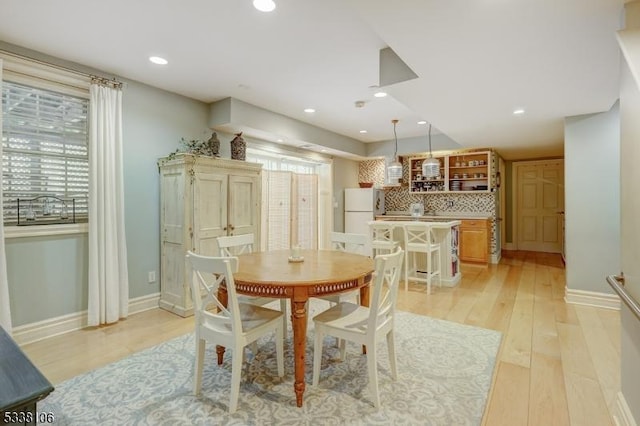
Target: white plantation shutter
(45, 147)
(306, 210)
(290, 201)
(278, 198)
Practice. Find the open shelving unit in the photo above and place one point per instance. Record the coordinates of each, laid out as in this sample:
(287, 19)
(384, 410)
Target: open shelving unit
(419, 184)
(467, 172)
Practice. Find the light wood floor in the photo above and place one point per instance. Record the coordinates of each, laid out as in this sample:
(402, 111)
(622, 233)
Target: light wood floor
(559, 364)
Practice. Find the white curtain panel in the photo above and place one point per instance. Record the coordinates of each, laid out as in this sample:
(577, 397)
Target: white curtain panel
(108, 279)
(5, 309)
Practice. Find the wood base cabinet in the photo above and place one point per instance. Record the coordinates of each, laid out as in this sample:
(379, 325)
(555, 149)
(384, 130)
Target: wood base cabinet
(474, 240)
(202, 198)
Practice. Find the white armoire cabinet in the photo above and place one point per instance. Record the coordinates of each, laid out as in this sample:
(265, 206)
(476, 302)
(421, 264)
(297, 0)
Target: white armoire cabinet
(202, 198)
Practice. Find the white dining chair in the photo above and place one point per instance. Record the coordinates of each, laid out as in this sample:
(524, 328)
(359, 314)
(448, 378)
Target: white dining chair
(419, 238)
(235, 326)
(350, 243)
(365, 325)
(235, 245)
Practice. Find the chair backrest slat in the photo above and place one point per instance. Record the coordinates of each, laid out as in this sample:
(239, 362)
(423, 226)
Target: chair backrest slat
(385, 287)
(349, 242)
(235, 245)
(418, 233)
(381, 234)
(206, 275)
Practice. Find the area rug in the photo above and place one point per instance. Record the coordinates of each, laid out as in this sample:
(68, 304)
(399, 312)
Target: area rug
(444, 376)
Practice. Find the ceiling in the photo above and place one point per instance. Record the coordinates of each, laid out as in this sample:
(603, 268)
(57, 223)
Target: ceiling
(476, 61)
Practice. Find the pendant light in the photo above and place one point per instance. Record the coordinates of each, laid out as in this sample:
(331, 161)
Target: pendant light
(394, 170)
(431, 166)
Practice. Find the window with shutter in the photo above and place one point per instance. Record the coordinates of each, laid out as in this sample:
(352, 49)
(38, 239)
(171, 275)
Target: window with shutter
(45, 149)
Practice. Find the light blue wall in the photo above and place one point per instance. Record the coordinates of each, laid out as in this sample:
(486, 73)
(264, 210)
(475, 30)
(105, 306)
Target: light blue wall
(592, 199)
(48, 275)
(153, 123)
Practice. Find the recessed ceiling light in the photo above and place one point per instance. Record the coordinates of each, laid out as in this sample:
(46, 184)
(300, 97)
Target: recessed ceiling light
(518, 111)
(309, 110)
(363, 131)
(380, 94)
(264, 5)
(279, 140)
(158, 60)
(422, 122)
(323, 150)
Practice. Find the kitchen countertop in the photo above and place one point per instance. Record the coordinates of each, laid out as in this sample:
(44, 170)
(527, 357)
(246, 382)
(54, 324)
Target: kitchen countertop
(434, 216)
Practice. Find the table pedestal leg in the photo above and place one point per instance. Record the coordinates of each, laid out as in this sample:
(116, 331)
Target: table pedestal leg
(223, 297)
(364, 301)
(299, 320)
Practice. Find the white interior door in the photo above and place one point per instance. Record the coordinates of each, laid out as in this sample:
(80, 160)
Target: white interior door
(539, 204)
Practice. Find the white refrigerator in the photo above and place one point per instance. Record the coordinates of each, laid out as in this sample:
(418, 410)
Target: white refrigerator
(362, 205)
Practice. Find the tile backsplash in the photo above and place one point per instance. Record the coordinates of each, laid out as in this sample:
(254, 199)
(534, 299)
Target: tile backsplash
(399, 199)
(371, 171)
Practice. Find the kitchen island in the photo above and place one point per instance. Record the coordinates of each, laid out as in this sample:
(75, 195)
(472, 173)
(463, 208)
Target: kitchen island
(446, 232)
(475, 233)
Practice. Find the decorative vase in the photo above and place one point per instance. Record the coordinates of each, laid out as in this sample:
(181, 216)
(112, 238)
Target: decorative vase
(238, 148)
(213, 145)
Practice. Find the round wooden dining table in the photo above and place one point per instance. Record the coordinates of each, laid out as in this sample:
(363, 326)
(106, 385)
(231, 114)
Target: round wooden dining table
(323, 272)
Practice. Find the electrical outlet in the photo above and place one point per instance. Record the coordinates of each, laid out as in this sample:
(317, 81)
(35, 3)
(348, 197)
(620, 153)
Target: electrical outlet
(152, 277)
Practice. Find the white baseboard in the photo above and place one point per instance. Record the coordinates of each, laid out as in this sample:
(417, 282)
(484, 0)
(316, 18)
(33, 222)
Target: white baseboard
(144, 303)
(622, 414)
(592, 298)
(35, 331)
(495, 258)
(450, 282)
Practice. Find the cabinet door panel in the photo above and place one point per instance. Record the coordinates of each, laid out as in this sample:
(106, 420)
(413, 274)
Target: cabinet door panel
(474, 244)
(243, 205)
(174, 288)
(210, 211)
(173, 207)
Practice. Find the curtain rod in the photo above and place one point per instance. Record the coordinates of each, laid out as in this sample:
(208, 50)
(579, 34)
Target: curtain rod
(106, 82)
(100, 80)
